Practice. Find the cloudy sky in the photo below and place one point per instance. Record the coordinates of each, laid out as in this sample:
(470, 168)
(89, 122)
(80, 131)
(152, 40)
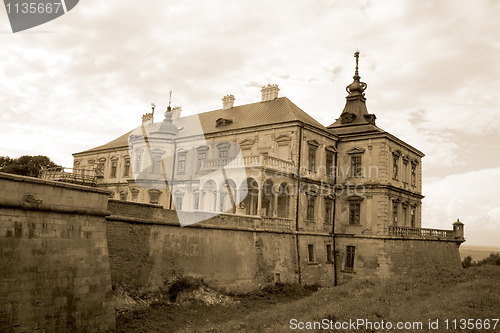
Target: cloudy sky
(431, 67)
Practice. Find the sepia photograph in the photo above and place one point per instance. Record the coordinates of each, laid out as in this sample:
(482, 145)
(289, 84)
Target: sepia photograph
(249, 166)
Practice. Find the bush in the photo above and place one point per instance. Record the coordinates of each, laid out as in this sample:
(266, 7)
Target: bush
(183, 284)
(493, 259)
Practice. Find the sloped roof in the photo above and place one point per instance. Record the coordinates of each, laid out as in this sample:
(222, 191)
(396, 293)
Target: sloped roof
(279, 110)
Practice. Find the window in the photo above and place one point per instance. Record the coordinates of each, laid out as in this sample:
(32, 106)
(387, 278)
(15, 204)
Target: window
(395, 211)
(413, 174)
(126, 168)
(138, 161)
(154, 196)
(349, 259)
(405, 216)
(222, 153)
(310, 207)
(178, 203)
(310, 253)
(113, 169)
(156, 168)
(328, 211)
(123, 196)
(329, 164)
(395, 163)
(181, 163)
(356, 170)
(412, 216)
(329, 254)
(311, 160)
(100, 169)
(196, 201)
(354, 213)
(202, 156)
(135, 195)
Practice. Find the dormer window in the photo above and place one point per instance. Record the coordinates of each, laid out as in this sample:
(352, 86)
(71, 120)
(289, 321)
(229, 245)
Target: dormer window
(223, 122)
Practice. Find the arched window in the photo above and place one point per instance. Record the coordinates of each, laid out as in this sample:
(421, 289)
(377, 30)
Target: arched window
(250, 191)
(228, 197)
(209, 196)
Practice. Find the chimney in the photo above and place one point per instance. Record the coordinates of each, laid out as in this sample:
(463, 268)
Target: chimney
(269, 92)
(176, 112)
(147, 118)
(227, 102)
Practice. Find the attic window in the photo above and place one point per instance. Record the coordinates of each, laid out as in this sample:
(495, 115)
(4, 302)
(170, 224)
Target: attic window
(223, 122)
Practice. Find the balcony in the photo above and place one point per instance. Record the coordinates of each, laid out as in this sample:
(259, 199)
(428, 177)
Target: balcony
(423, 233)
(264, 161)
(69, 175)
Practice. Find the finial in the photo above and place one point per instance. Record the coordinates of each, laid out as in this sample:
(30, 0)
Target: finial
(169, 98)
(356, 88)
(153, 106)
(356, 55)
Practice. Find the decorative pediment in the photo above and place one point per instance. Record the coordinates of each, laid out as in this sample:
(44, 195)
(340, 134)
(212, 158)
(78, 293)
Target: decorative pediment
(202, 148)
(415, 161)
(355, 198)
(314, 143)
(396, 153)
(181, 151)
(246, 143)
(356, 150)
(223, 122)
(406, 158)
(114, 158)
(331, 149)
(223, 145)
(283, 139)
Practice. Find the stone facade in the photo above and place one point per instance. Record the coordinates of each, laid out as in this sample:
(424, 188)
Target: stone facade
(350, 182)
(54, 266)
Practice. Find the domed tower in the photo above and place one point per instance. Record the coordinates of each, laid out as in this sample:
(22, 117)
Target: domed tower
(355, 112)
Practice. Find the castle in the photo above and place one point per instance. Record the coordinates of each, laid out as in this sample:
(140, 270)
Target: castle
(347, 193)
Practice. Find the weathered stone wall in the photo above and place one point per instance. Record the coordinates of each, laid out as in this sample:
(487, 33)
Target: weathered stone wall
(149, 250)
(54, 268)
(383, 257)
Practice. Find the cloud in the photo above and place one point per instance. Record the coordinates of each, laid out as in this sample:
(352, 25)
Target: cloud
(472, 197)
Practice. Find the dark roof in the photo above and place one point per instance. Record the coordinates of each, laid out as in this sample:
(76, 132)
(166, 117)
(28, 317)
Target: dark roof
(279, 110)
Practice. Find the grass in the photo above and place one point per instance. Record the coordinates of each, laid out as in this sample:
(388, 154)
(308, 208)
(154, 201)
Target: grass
(459, 294)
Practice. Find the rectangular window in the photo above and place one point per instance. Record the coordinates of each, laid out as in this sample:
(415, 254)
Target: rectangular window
(311, 161)
(138, 161)
(196, 203)
(123, 196)
(310, 252)
(329, 253)
(126, 168)
(181, 163)
(395, 211)
(413, 175)
(356, 170)
(329, 164)
(154, 197)
(202, 155)
(405, 171)
(354, 213)
(178, 203)
(113, 169)
(328, 211)
(310, 208)
(412, 217)
(156, 168)
(405, 216)
(395, 167)
(349, 259)
(222, 153)
(100, 169)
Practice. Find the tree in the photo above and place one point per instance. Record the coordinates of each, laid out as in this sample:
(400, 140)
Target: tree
(26, 165)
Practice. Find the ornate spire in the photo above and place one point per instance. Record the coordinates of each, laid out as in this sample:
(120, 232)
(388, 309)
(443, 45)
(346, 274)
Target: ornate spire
(168, 113)
(357, 88)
